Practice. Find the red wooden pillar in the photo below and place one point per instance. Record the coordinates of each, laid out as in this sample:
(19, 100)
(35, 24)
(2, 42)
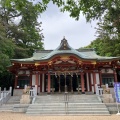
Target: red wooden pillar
(37, 81)
(100, 78)
(82, 83)
(40, 82)
(115, 76)
(30, 80)
(94, 81)
(49, 83)
(16, 81)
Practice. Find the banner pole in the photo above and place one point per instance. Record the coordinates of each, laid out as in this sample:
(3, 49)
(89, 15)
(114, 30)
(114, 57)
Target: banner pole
(117, 95)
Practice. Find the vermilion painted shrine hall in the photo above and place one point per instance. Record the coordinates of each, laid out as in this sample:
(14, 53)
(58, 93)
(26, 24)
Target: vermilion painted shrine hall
(65, 68)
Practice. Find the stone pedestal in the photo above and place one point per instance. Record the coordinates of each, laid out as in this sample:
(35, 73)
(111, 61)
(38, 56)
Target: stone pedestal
(107, 98)
(106, 91)
(25, 99)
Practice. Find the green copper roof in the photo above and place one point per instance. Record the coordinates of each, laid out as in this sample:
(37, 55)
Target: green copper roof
(65, 48)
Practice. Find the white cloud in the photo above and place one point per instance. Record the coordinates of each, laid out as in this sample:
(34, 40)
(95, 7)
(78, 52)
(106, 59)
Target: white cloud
(56, 25)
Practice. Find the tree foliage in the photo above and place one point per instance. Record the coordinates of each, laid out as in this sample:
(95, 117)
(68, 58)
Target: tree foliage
(20, 34)
(26, 32)
(6, 49)
(6, 80)
(108, 35)
(106, 47)
(92, 9)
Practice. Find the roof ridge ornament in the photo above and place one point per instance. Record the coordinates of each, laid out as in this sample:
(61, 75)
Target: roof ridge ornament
(64, 44)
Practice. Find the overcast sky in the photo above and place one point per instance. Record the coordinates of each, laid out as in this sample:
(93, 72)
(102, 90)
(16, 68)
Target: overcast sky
(56, 25)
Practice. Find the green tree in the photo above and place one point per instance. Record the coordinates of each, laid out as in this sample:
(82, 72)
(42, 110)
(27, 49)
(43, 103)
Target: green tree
(6, 49)
(106, 47)
(26, 33)
(92, 9)
(18, 40)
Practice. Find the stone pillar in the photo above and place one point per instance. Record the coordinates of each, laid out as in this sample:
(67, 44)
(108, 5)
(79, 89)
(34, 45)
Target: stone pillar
(94, 81)
(82, 83)
(115, 76)
(49, 82)
(4, 94)
(10, 89)
(36, 90)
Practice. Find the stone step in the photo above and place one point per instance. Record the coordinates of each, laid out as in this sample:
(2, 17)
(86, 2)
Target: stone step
(70, 96)
(72, 105)
(6, 108)
(47, 98)
(14, 100)
(65, 114)
(64, 99)
(68, 101)
(48, 103)
(77, 105)
(62, 107)
(71, 112)
(69, 109)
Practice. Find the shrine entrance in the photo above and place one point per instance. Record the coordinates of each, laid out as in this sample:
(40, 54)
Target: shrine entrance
(66, 83)
(69, 83)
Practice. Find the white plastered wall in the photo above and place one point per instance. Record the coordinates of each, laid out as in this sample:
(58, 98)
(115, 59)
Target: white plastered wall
(91, 75)
(97, 78)
(33, 80)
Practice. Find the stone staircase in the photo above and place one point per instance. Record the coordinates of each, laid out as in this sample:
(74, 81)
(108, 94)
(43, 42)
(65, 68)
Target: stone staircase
(14, 100)
(8, 107)
(77, 105)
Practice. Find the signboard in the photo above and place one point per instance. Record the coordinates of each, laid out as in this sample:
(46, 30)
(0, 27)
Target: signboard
(117, 91)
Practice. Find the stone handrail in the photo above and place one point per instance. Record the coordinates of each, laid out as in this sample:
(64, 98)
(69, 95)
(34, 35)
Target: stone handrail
(31, 91)
(5, 95)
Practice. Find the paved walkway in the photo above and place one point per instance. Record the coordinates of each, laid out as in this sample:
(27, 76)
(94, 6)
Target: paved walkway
(20, 116)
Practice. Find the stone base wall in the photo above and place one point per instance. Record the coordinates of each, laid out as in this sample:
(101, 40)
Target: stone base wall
(112, 107)
(17, 92)
(25, 99)
(20, 108)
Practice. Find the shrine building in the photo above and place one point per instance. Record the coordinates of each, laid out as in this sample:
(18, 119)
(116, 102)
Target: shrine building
(65, 69)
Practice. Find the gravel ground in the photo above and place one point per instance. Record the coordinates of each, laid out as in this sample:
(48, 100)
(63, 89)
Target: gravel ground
(20, 116)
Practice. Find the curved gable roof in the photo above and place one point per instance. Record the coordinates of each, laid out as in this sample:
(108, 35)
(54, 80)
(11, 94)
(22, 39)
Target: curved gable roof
(65, 48)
